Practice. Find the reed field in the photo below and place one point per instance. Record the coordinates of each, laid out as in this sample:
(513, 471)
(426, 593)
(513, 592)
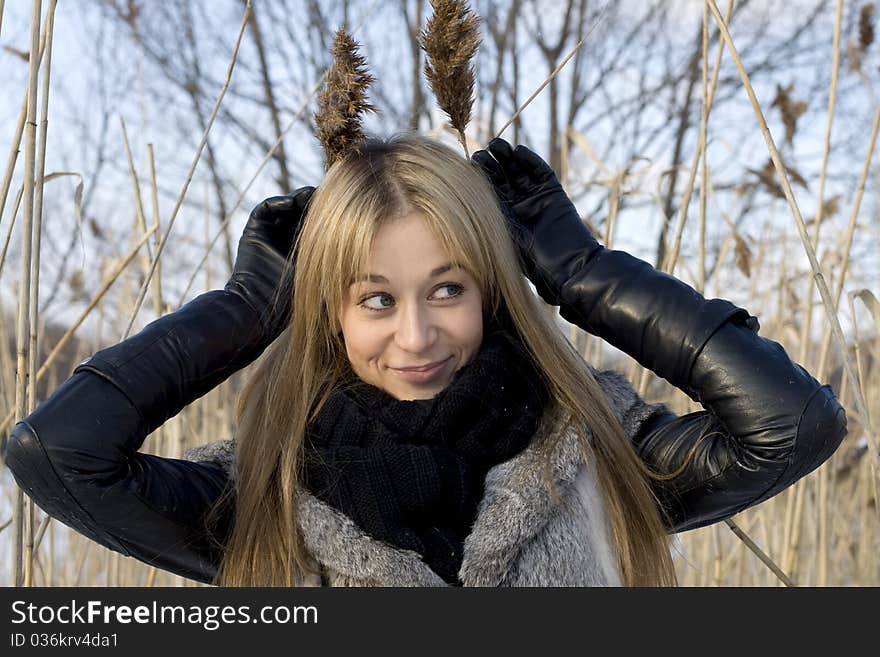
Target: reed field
(730, 143)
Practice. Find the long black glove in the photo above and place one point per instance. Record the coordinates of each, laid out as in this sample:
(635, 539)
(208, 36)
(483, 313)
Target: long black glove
(652, 316)
(265, 245)
(769, 422)
(183, 355)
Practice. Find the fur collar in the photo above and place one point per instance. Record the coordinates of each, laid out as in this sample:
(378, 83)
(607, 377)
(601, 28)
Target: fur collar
(516, 505)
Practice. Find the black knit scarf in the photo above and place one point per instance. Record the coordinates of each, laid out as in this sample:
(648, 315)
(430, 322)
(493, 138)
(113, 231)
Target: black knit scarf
(411, 473)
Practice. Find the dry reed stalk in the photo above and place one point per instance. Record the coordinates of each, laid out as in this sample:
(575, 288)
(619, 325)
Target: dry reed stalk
(50, 565)
(716, 541)
(866, 549)
(16, 140)
(140, 217)
(2, 7)
(808, 315)
(192, 168)
(844, 266)
(669, 262)
(44, 179)
(706, 559)
(771, 581)
(789, 562)
(44, 368)
(862, 384)
(450, 41)
(12, 159)
(563, 157)
(8, 239)
(820, 198)
(41, 531)
(761, 555)
(737, 551)
(38, 196)
(857, 347)
(789, 195)
(822, 552)
(23, 326)
(584, 144)
(116, 565)
(33, 305)
(552, 75)
(154, 196)
(704, 172)
(7, 367)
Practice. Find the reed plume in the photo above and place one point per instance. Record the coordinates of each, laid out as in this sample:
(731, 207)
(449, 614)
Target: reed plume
(342, 101)
(450, 40)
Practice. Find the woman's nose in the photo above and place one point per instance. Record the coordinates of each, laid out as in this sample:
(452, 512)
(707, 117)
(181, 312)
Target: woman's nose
(416, 330)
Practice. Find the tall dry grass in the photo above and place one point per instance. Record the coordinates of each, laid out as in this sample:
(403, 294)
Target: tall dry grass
(824, 530)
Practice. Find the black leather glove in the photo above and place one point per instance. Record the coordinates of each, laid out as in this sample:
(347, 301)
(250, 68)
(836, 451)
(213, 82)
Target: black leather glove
(551, 238)
(657, 319)
(263, 249)
(181, 356)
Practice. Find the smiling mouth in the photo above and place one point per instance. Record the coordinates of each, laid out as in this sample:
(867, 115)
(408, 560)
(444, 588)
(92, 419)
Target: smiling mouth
(423, 375)
(421, 368)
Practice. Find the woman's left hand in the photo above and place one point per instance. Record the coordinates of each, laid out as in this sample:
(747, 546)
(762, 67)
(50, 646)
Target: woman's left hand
(553, 241)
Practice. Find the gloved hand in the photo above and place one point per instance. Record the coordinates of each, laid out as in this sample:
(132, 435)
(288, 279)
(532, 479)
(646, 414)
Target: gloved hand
(263, 249)
(180, 356)
(660, 321)
(553, 241)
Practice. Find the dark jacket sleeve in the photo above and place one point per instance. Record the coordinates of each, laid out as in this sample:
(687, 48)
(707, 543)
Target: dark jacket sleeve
(792, 430)
(77, 453)
(767, 422)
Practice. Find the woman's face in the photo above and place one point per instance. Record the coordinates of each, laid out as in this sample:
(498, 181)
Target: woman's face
(413, 312)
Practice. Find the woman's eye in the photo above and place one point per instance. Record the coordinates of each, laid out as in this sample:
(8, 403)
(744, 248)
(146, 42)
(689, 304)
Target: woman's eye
(375, 296)
(456, 288)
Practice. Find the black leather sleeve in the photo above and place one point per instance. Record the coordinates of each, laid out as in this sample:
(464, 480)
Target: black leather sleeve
(77, 454)
(75, 458)
(767, 421)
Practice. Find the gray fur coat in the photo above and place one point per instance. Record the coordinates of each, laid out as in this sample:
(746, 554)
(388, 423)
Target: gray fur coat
(520, 536)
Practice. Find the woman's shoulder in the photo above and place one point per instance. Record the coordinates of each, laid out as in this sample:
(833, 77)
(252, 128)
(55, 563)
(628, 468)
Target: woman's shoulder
(629, 407)
(219, 452)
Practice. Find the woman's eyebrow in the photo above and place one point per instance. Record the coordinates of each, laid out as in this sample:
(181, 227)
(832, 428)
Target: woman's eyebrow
(377, 278)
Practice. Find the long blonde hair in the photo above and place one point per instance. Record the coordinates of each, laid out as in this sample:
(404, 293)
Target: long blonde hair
(297, 372)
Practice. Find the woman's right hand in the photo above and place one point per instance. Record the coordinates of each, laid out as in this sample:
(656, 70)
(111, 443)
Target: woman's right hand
(264, 248)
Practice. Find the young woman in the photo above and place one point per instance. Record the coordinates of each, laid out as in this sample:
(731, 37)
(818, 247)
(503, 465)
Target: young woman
(418, 419)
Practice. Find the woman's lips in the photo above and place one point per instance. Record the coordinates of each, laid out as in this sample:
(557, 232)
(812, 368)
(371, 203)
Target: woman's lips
(422, 376)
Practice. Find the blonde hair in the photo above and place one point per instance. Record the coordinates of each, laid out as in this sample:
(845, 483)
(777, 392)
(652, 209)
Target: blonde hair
(297, 372)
